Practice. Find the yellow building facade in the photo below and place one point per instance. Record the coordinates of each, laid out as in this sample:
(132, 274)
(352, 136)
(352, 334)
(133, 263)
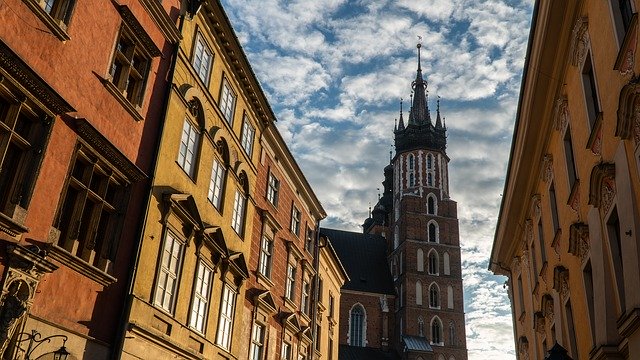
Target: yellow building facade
(568, 234)
(190, 277)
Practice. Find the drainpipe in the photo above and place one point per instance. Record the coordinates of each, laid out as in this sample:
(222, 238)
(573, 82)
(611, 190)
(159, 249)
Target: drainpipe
(126, 311)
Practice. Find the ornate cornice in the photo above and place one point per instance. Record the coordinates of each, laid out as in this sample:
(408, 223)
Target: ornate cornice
(579, 41)
(579, 240)
(138, 30)
(602, 187)
(21, 75)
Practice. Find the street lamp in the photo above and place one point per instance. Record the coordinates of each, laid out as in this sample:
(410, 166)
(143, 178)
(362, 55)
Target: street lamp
(35, 340)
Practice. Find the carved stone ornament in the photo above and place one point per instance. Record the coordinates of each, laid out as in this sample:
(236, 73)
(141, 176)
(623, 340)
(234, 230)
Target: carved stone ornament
(26, 268)
(535, 206)
(515, 265)
(525, 255)
(596, 145)
(608, 191)
(579, 41)
(579, 240)
(561, 281)
(528, 228)
(602, 187)
(539, 322)
(574, 197)
(627, 61)
(384, 305)
(562, 116)
(547, 168)
(547, 307)
(628, 114)
(523, 347)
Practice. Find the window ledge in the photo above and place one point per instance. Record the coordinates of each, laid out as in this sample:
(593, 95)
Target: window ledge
(58, 27)
(595, 137)
(81, 266)
(12, 226)
(290, 304)
(626, 54)
(132, 109)
(263, 280)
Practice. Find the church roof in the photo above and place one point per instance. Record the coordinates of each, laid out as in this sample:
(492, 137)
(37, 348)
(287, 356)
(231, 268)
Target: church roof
(346, 352)
(364, 257)
(416, 343)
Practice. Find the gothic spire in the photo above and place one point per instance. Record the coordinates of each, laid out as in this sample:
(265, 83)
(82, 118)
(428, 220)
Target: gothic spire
(419, 109)
(438, 120)
(401, 126)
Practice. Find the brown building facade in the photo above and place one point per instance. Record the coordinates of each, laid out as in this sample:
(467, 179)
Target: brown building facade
(567, 235)
(82, 87)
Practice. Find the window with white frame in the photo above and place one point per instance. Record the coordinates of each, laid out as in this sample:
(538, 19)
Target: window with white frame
(305, 300)
(285, 353)
(129, 67)
(201, 297)
(248, 133)
(227, 312)
(266, 248)
(436, 331)
(202, 59)
(273, 188)
(433, 263)
(227, 101)
(257, 342)
(432, 204)
(290, 287)
(433, 231)
(450, 297)
(237, 218)
(295, 220)
(420, 260)
(166, 287)
(418, 292)
(434, 296)
(188, 147)
(216, 184)
(357, 326)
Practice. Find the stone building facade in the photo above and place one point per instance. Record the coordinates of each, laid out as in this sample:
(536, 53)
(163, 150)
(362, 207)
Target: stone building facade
(567, 235)
(417, 222)
(77, 136)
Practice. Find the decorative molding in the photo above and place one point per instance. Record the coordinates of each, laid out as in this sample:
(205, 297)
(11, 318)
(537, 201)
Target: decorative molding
(628, 114)
(602, 185)
(535, 206)
(579, 240)
(523, 347)
(574, 196)
(562, 116)
(548, 307)
(75, 263)
(58, 27)
(547, 168)
(133, 110)
(625, 60)
(561, 281)
(138, 30)
(594, 143)
(579, 41)
(539, 322)
(166, 25)
(21, 75)
(555, 243)
(107, 150)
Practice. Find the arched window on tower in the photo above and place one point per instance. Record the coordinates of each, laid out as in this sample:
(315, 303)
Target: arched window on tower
(429, 162)
(434, 296)
(411, 162)
(433, 232)
(433, 263)
(429, 179)
(357, 326)
(432, 205)
(447, 266)
(420, 260)
(412, 180)
(450, 297)
(418, 292)
(436, 331)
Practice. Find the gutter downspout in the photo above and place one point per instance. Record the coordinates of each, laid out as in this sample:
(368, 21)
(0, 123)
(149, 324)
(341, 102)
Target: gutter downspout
(126, 311)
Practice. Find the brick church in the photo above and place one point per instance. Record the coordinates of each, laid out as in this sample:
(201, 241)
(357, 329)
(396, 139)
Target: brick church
(404, 299)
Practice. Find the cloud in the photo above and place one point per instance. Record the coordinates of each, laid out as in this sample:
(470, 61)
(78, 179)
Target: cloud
(334, 72)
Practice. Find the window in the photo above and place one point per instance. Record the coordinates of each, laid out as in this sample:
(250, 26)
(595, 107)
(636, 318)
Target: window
(188, 148)
(429, 179)
(401, 295)
(446, 261)
(433, 231)
(237, 219)
(257, 342)
(418, 293)
(227, 101)
(554, 209)
(356, 326)
(308, 245)
(412, 181)
(434, 296)
(201, 292)
(571, 330)
(285, 353)
(129, 68)
(266, 248)
(331, 305)
(433, 263)
(452, 334)
(590, 91)
(248, 133)
(429, 162)
(290, 288)
(431, 204)
(450, 297)
(21, 133)
(543, 251)
(202, 59)
(587, 275)
(411, 162)
(436, 331)
(568, 155)
(273, 186)
(622, 14)
(330, 349)
(295, 220)
(216, 184)
(227, 312)
(615, 244)
(166, 287)
(58, 9)
(420, 260)
(305, 301)
(534, 262)
(91, 210)
(318, 336)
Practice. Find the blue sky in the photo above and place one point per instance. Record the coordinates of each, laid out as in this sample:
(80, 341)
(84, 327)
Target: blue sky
(334, 72)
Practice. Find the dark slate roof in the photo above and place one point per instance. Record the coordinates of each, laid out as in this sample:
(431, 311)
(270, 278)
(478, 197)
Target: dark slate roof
(416, 343)
(364, 256)
(346, 352)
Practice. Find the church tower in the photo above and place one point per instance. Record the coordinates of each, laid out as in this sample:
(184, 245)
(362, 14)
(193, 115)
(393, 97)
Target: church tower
(419, 220)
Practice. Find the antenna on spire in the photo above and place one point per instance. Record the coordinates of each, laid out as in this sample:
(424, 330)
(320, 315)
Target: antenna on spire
(401, 107)
(419, 46)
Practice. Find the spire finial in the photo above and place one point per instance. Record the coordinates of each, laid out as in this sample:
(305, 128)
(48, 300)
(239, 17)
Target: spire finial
(378, 194)
(438, 121)
(419, 46)
(369, 209)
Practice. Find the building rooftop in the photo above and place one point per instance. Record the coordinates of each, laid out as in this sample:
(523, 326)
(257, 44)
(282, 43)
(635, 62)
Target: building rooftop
(364, 257)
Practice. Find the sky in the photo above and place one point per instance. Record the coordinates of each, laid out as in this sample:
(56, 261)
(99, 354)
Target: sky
(334, 72)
